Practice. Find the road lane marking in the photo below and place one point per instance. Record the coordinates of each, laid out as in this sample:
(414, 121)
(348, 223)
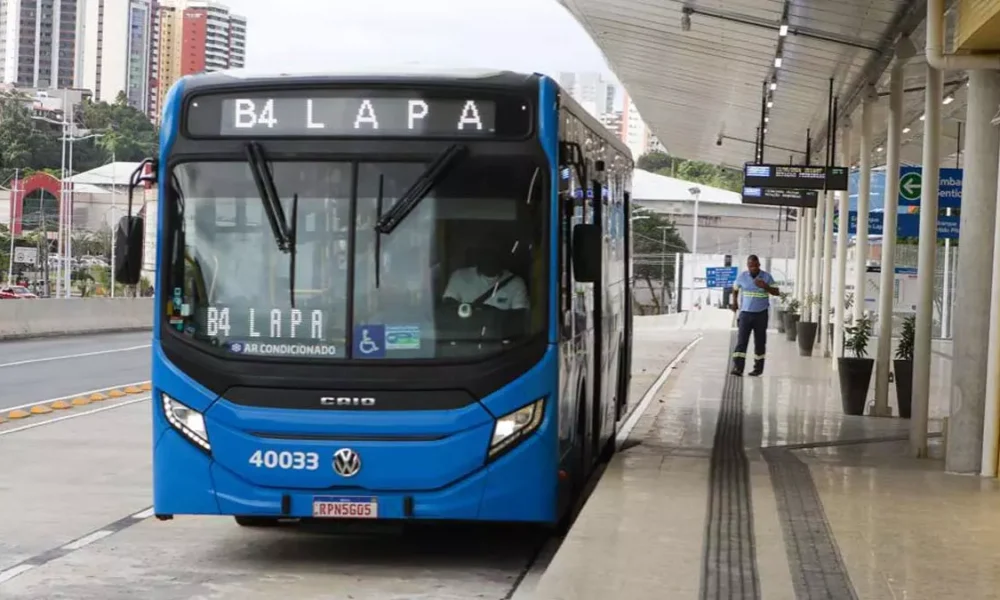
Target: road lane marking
(64, 550)
(73, 416)
(11, 573)
(88, 540)
(32, 361)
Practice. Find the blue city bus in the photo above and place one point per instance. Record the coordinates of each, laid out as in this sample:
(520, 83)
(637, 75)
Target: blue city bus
(383, 296)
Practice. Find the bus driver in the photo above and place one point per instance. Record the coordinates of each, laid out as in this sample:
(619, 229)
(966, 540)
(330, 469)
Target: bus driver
(487, 282)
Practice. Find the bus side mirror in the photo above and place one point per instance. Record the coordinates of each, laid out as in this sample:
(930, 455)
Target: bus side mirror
(128, 250)
(586, 252)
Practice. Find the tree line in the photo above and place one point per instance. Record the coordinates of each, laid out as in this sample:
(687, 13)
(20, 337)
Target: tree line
(694, 171)
(29, 144)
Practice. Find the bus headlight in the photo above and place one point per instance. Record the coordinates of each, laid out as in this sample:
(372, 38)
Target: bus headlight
(189, 422)
(515, 426)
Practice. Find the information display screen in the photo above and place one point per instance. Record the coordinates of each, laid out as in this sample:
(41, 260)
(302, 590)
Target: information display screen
(795, 177)
(357, 113)
(777, 197)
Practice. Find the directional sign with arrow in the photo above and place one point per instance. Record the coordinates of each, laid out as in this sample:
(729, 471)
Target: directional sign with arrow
(949, 187)
(909, 186)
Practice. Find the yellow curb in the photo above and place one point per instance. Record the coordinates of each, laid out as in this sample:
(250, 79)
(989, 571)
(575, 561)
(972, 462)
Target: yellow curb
(133, 390)
(146, 386)
(61, 405)
(116, 394)
(81, 401)
(18, 414)
(40, 409)
(98, 397)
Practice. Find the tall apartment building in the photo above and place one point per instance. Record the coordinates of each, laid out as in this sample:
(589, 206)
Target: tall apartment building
(39, 42)
(118, 35)
(591, 91)
(194, 37)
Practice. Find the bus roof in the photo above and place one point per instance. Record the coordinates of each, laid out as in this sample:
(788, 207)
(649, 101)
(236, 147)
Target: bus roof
(400, 74)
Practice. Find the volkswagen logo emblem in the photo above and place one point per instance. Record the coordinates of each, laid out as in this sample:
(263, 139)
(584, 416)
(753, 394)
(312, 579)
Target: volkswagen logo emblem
(346, 462)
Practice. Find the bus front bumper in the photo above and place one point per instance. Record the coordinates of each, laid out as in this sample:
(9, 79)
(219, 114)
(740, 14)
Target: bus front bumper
(520, 486)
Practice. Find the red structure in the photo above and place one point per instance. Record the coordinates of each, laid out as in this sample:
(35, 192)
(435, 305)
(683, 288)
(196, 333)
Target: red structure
(20, 188)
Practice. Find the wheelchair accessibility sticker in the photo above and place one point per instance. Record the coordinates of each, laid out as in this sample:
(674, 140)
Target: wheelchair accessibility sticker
(369, 341)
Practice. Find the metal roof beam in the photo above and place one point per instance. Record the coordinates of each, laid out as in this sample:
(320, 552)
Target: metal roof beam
(904, 23)
(806, 32)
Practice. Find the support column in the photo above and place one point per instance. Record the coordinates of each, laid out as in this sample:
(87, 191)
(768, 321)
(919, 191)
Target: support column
(991, 426)
(842, 236)
(810, 237)
(972, 303)
(817, 262)
(890, 219)
(864, 201)
(799, 254)
(824, 309)
(925, 263)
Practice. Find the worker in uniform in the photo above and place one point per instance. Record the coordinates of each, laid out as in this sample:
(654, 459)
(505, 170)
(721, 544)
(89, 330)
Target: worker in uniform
(752, 293)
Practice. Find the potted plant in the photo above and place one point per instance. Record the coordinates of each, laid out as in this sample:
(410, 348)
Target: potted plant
(807, 329)
(791, 318)
(902, 366)
(855, 372)
(779, 313)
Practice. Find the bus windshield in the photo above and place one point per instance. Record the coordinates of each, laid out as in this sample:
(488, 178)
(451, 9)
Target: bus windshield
(463, 275)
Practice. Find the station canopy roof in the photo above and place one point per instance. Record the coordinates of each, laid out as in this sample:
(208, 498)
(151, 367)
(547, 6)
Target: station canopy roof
(696, 70)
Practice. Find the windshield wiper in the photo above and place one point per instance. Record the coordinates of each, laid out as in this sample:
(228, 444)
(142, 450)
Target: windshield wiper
(284, 232)
(293, 234)
(420, 188)
(269, 196)
(378, 234)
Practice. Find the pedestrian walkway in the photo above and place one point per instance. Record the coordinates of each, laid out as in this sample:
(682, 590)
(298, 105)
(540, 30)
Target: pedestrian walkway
(762, 488)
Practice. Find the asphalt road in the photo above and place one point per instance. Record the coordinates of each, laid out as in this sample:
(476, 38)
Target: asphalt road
(42, 369)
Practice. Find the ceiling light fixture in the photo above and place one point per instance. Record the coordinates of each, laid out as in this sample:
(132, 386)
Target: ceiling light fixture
(906, 130)
(922, 117)
(774, 85)
(948, 99)
(777, 62)
(879, 149)
(770, 103)
(783, 30)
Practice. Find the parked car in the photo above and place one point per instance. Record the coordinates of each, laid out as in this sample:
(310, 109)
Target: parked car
(15, 292)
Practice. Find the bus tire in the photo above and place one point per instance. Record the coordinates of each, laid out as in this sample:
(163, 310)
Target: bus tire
(256, 521)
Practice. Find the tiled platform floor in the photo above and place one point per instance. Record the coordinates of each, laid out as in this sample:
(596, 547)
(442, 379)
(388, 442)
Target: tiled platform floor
(833, 520)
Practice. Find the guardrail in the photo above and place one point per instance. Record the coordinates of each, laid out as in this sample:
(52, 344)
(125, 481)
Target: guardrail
(56, 316)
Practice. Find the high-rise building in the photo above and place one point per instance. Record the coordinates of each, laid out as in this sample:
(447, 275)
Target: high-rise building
(213, 38)
(118, 36)
(193, 37)
(590, 90)
(39, 42)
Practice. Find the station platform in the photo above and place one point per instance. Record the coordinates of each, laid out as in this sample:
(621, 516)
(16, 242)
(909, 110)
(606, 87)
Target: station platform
(731, 487)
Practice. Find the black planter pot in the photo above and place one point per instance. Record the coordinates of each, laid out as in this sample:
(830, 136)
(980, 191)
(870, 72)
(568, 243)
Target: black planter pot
(807, 337)
(903, 370)
(791, 330)
(780, 318)
(855, 376)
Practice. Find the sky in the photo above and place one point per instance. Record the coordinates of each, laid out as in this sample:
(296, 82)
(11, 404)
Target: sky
(320, 35)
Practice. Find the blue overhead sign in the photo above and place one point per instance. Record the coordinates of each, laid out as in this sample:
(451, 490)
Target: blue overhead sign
(720, 277)
(907, 225)
(949, 187)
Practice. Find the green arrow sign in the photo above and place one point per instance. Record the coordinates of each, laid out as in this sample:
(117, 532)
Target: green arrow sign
(909, 186)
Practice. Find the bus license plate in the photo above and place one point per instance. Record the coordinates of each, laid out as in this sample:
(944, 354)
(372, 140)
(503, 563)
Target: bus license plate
(345, 507)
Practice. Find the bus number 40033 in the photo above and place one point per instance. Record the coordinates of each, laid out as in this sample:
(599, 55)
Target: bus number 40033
(295, 461)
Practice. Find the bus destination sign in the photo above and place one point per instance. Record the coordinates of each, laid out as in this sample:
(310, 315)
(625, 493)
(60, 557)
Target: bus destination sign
(801, 177)
(779, 197)
(347, 115)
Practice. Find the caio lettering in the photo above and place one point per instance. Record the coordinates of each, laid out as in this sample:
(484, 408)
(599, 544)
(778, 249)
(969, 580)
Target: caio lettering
(347, 401)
